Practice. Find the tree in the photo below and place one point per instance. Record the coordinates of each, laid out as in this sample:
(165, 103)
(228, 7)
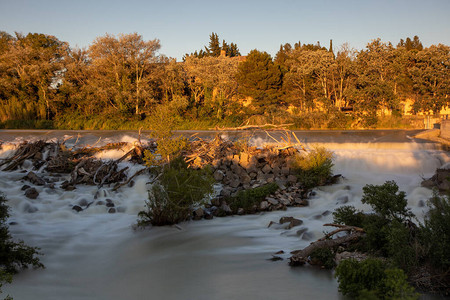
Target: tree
(31, 64)
(214, 46)
(121, 70)
(214, 49)
(310, 73)
(429, 73)
(414, 44)
(216, 74)
(258, 77)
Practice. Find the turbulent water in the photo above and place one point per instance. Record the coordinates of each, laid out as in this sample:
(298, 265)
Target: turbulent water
(96, 255)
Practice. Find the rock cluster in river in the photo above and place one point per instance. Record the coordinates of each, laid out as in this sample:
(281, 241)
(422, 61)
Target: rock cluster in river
(440, 180)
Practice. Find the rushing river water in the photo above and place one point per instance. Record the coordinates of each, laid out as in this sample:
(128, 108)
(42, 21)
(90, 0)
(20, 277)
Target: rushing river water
(96, 255)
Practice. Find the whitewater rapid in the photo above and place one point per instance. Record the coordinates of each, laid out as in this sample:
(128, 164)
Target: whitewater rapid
(96, 255)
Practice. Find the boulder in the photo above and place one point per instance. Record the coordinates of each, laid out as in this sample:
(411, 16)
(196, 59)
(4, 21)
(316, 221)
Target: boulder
(77, 208)
(291, 220)
(218, 175)
(225, 208)
(266, 169)
(34, 179)
(285, 170)
(264, 205)
(25, 187)
(272, 201)
(292, 178)
(198, 213)
(31, 193)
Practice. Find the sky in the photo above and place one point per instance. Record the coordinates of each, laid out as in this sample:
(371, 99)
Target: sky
(183, 26)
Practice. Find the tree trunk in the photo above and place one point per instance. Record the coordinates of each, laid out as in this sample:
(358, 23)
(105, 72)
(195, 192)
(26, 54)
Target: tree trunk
(300, 257)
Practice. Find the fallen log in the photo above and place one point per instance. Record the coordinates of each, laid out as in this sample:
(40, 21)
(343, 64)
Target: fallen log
(300, 257)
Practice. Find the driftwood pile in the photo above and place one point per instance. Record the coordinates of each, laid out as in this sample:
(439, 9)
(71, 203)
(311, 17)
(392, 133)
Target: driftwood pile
(81, 164)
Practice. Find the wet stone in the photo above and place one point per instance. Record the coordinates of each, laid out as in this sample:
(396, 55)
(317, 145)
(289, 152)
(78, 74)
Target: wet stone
(342, 200)
(109, 204)
(111, 210)
(31, 193)
(77, 208)
(272, 201)
(264, 205)
(25, 187)
(34, 179)
(100, 202)
(292, 222)
(83, 202)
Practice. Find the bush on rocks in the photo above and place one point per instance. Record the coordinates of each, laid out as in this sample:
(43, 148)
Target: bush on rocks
(314, 168)
(174, 194)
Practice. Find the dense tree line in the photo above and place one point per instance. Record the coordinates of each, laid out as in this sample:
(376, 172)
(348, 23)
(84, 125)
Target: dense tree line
(125, 78)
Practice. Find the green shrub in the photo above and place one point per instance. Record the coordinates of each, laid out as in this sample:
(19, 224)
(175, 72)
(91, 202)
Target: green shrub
(400, 246)
(246, 199)
(323, 257)
(435, 233)
(348, 215)
(387, 200)
(174, 194)
(314, 168)
(14, 256)
(372, 279)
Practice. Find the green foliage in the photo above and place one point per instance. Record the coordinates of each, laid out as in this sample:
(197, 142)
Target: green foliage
(163, 122)
(314, 168)
(401, 245)
(258, 77)
(372, 279)
(436, 231)
(348, 215)
(14, 256)
(387, 201)
(386, 231)
(174, 194)
(246, 199)
(323, 257)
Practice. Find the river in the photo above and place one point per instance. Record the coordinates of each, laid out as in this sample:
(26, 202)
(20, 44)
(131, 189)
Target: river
(96, 255)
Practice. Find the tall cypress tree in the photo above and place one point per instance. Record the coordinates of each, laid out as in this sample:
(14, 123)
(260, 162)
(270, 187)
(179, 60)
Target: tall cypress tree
(214, 45)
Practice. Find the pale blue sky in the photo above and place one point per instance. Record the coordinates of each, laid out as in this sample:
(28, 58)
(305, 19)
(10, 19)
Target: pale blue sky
(185, 25)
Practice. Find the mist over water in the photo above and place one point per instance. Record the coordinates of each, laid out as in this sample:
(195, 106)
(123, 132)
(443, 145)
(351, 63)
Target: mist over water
(96, 255)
